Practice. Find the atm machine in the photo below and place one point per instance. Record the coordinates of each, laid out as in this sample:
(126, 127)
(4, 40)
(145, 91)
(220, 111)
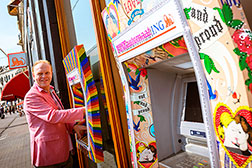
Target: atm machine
(84, 93)
(177, 115)
(166, 109)
(185, 72)
(162, 74)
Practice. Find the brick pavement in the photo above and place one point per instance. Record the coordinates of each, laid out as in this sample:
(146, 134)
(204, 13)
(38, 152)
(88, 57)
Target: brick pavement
(14, 142)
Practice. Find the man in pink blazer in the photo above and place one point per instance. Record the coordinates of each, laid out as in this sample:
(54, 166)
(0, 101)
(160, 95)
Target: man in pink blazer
(49, 124)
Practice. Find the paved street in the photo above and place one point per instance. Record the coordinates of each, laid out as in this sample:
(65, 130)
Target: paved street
(14, 142)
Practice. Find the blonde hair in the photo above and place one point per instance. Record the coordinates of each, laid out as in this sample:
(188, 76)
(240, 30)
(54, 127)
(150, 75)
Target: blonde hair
(225, 120)
(141, 148)
(39, 62)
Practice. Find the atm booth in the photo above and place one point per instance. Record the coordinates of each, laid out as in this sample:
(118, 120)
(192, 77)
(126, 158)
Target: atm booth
(176, 111)
(186, 74)
(176, 123)
(84, 94)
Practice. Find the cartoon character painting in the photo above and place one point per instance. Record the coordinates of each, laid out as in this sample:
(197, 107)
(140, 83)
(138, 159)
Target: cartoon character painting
(235, 132)
(111, 21)
(146, 154)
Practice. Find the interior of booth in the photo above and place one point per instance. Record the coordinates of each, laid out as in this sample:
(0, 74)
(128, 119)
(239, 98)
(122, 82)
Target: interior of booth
(177, 116)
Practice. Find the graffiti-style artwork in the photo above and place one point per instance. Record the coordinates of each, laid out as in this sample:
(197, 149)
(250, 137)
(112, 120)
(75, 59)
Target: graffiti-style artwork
(165, 51)
(132, 9)
(142, 115)
(212, 94)
(141, 119)
(223, 40)
(224, 48)
(140, 98)
(209, 64)
(111, 21)
(146, 154)
(235, 133)
(139, 89)
(120, 14)
(175, 47)
(243, 39)
(152, 131)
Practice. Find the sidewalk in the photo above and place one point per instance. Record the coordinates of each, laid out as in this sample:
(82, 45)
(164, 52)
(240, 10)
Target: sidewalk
(14, 142)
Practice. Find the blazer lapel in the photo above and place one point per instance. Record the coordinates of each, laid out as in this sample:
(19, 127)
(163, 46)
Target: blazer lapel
(57, 99)
(49, 99)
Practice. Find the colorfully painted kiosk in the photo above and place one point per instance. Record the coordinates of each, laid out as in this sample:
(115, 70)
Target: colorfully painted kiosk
(84, 93)
(186, 73)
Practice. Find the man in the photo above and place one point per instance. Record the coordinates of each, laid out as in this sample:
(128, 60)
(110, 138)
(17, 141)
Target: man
(49, 124)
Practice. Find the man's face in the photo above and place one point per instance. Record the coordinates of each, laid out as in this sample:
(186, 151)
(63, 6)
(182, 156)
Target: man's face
(42, 75)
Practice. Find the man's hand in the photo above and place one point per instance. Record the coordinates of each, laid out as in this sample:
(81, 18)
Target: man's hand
(80, 130)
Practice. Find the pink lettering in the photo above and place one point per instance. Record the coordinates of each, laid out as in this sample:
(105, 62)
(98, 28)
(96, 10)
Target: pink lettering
(125, 45)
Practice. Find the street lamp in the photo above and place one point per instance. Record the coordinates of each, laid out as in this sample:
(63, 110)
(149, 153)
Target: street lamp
(3, 52)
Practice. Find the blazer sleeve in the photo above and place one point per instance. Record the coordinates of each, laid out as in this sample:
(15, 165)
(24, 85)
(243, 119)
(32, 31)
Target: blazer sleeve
(37, 105)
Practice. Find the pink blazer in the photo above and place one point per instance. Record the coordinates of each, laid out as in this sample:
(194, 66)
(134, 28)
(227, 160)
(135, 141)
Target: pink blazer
(49, 127)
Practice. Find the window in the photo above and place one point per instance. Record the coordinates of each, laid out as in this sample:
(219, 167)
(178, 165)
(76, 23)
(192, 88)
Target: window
(83, 23)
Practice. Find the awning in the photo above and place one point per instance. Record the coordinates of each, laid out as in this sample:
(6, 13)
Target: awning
(13, 7)
(17, 87)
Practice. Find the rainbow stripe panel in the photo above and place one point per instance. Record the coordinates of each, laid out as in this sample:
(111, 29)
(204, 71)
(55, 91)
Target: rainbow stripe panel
(78, 96)
(77, 59)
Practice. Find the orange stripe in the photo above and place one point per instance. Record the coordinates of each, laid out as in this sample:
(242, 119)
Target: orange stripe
(88, 73)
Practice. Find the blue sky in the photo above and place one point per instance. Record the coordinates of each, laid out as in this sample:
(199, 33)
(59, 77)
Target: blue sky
(8, 33)
(9, 28)
(83, 23)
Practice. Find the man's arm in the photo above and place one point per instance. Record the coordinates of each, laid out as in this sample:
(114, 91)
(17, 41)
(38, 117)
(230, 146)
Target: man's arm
(80, 130)
(37, 105)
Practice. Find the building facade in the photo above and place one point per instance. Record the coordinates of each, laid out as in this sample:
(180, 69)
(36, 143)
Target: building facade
(51, 29)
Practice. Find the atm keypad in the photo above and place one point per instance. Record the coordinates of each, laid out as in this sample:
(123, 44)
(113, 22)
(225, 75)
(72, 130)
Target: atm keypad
(192, 161)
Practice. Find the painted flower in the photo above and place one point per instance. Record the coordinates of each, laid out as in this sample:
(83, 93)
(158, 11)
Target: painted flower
(250, 87)
(249, 61)
(143, 72)
(181, 43)
(132, 66)
(243, 40)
